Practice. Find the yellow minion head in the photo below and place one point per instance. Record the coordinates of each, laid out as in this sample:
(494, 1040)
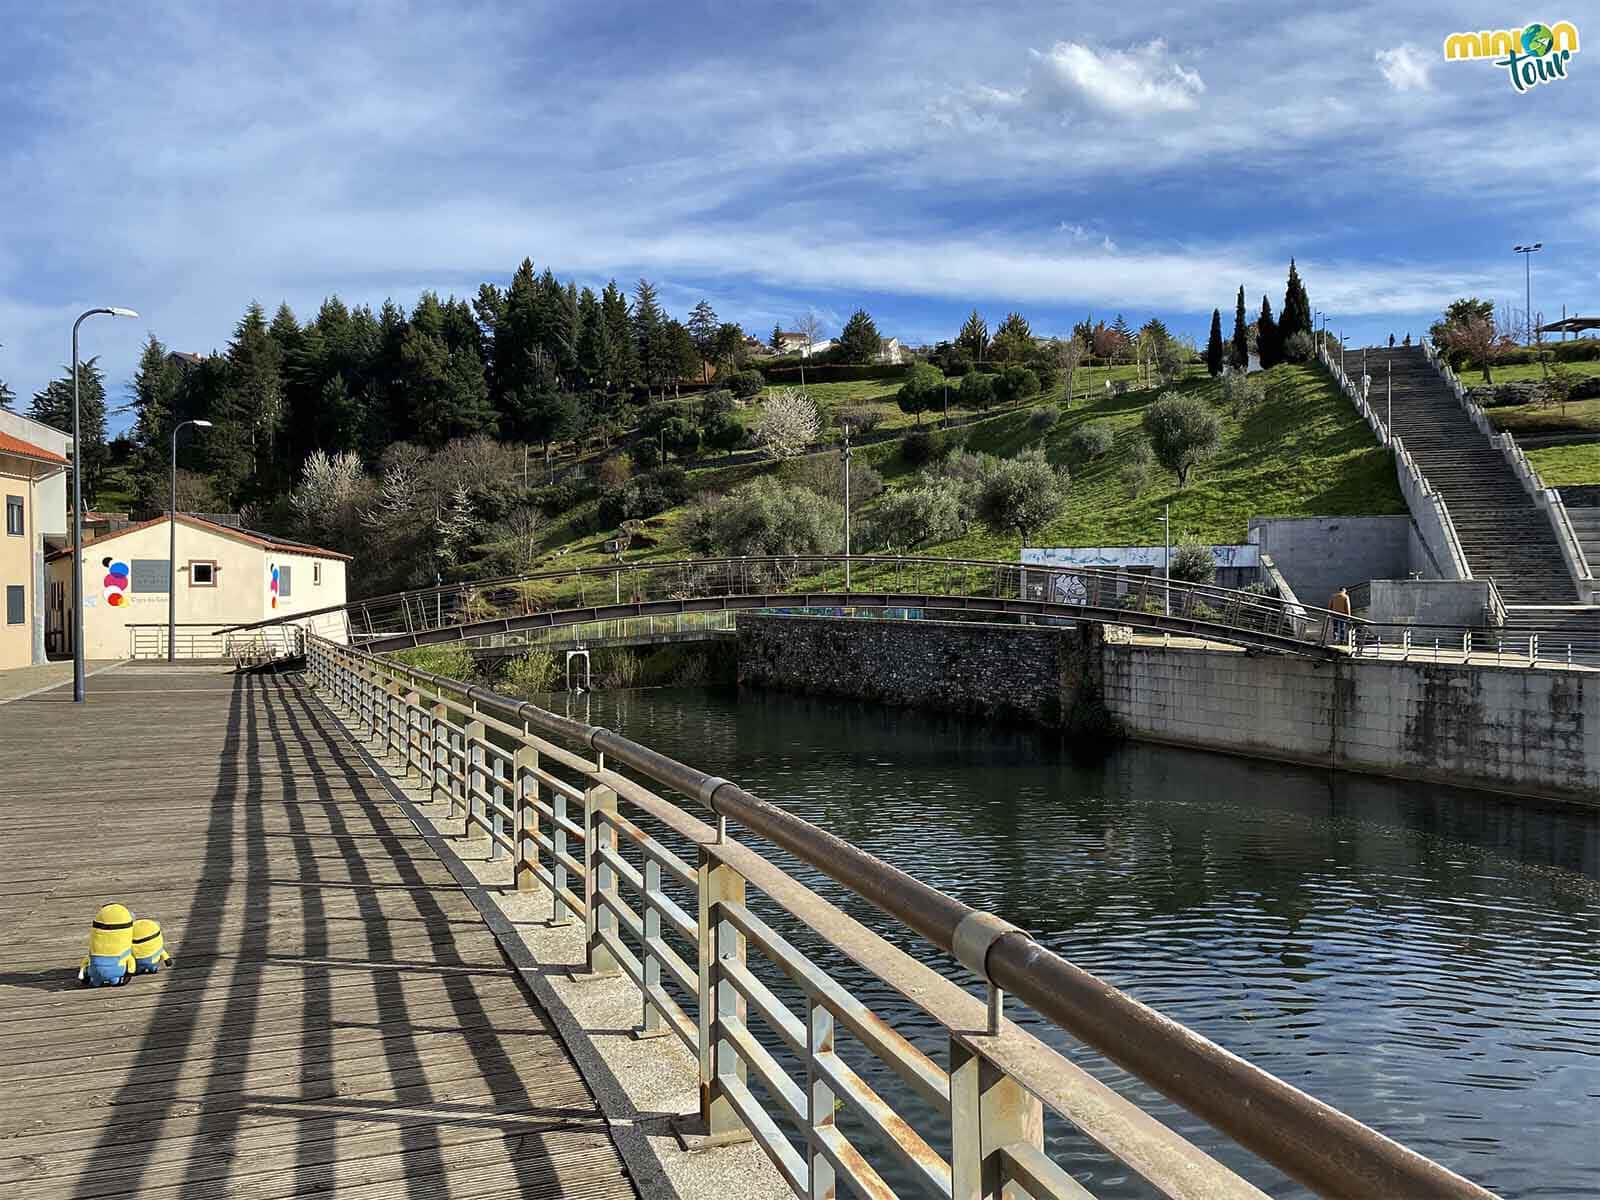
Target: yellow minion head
(111, 935)
(149, 948)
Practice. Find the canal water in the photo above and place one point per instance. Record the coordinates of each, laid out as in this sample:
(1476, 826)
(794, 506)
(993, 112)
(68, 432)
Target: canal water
(1426, 959)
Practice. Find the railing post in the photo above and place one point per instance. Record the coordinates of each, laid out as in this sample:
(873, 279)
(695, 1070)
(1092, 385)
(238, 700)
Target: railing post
(472, 757)
(988, 1110)
(820, 1101)
(502, 790)
(526, 787)
(439, 738)
(598, 877)
(718, 938)
(650, 1022)
(412, 702)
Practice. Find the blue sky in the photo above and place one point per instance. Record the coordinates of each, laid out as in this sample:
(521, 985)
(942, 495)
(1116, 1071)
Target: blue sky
(917, 161)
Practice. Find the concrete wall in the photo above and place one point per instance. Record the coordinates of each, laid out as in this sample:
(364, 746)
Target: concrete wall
(1319, 555)
(1453, 602)
(1507, 728)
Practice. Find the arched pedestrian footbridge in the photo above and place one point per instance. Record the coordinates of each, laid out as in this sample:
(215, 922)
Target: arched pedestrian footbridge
(938, 588)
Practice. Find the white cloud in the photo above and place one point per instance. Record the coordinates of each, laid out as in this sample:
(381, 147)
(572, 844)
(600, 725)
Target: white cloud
(1138, 81)
(1406, 68)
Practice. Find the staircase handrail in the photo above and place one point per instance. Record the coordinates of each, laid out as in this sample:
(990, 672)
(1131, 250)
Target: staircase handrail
(1494, 606)
(1546, 498)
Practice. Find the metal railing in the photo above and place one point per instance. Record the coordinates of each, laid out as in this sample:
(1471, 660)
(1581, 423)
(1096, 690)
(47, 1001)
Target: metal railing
(214, 641)
(669, 902)
(1477, 646)
(935, 585)
(618, 629)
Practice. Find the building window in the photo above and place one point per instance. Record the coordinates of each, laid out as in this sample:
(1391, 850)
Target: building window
(202, 573)
(16, 604)
(316, 574)
(150, 574)
(14, 515)
(283, 583)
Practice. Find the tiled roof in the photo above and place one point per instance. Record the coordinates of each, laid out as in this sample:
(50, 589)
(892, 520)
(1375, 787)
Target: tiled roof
(21, 449)
(266, 541)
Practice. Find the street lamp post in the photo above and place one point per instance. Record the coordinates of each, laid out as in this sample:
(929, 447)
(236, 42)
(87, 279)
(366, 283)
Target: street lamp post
(846, 507)
(172, 544)
(77, 505)
(1388, 420)
(1527, 253)
(1166, 559)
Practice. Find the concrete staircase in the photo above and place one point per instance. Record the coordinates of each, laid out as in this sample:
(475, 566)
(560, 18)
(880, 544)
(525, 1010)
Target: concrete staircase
(1586, 524)
(1504, 534)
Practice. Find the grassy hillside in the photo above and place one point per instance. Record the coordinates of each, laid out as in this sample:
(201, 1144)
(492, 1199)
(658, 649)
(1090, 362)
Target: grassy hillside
(1308, 454)
(1559, 465)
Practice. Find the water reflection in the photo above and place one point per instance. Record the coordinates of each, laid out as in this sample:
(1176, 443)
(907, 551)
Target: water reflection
(1424, 958)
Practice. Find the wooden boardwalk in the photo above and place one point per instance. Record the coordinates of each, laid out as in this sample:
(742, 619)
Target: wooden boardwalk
(340, 1020)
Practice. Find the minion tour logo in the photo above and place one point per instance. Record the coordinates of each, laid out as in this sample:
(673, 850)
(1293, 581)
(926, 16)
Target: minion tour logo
(1535, 54)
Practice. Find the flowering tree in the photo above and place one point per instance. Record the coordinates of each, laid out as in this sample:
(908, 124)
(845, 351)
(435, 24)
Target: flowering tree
(1479, 339)
(787, 425)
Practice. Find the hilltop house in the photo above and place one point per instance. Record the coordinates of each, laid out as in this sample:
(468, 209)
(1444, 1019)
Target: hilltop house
(226, 577)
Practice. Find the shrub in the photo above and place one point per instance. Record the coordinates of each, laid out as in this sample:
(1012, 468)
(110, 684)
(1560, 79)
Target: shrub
(535, 671)
(681, 435)
(1047, 373)
(824, 475)
(932, 511)
(1241, 392)
(1090, 440)
(1044, 419)
(1299, 347)
(1136, 467)
(977, 391)
(921, 446)
(1193, 562)
(614, 472)
(644, 496)
(817, 372)
(921, 391)
(714, 404)
(453, 661)
(862, 418)
(958, 367)
(1023, 493)
(746, 384)
(767, 516)
(1014, 384)
(724, 432)
(565, 494)
(1183, 433)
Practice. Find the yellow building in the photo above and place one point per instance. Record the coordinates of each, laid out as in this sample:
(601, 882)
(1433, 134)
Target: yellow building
(24, 468)
(226, 577)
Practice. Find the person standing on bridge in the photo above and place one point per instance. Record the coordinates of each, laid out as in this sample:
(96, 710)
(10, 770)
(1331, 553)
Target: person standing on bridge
(1339, 617)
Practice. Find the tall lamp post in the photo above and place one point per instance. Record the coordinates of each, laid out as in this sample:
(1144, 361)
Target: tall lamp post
(77, 505)
(172, 544)
(847, 507)
(1166, 559)
(1527, 253)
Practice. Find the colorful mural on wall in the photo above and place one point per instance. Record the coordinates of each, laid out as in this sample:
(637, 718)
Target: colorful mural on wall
(115, 586)
(272, 585)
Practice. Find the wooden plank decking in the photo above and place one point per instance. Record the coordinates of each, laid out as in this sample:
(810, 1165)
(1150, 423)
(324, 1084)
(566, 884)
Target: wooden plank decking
(340, 1020)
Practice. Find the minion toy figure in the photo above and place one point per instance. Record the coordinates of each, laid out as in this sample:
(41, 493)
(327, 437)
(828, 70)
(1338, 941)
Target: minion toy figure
(149, 950)
(110, 961)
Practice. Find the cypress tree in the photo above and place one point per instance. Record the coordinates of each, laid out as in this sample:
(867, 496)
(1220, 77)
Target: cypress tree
(1239, 358)
(255, 368)
(155, 403)
(1268, 342)
(619, 332)
(1295, 316)
(1214, 344)
(650, 336)
(703, 325)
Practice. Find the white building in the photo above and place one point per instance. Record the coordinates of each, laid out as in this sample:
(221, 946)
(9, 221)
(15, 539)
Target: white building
(37, 479)
(225, 577)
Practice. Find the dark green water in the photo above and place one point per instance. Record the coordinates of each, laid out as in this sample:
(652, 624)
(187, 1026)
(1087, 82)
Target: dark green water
(1425, 959)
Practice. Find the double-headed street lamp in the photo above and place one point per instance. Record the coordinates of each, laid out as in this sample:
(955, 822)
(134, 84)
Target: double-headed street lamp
(77, 505)
(1527, 253)
(172, 544)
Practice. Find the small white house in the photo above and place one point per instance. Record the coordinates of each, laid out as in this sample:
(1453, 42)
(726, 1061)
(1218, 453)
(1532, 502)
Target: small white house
(225, 577)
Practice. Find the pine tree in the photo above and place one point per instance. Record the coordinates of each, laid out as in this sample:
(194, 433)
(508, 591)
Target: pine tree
(683, 354)
(256, 378)
(1295, 316)
(1121, 328)
(1214, 344)
(650, 336)
(776, 341)
(53, 406)
(703, 329)
(858, 340)
(1239, 354)
(1268, 345)
(594, 341)
(973, 340)
(1013, 340)
(154, 396)
(619, 332)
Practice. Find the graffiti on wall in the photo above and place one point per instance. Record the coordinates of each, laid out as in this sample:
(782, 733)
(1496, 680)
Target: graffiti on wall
(115, 587)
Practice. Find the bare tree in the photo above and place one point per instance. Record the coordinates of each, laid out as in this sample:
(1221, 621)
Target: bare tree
(788, 424)
(1069, 354)
(1479, 339)
(809, 327)
(331, 488)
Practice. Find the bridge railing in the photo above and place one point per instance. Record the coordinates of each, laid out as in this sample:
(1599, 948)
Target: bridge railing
(707, 930)
(1101, 593)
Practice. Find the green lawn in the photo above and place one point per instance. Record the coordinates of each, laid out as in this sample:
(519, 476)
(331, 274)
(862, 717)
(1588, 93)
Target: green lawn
(1524, 420)
(1310, 455)
(1559, 465)
(1525, 372)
